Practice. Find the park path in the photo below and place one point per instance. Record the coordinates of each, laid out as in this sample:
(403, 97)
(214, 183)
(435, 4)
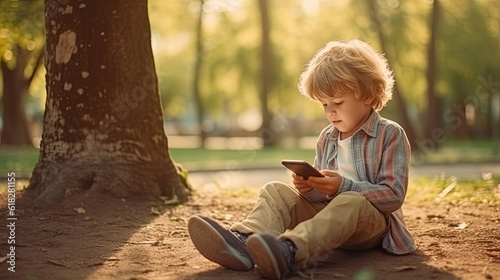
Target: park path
(256, 177)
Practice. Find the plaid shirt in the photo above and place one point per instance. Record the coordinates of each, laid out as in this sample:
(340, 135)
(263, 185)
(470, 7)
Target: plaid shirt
(381, 155)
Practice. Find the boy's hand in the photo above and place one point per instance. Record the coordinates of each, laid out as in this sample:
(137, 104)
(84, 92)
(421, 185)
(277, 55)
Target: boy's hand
(300, 183)
(328, 185)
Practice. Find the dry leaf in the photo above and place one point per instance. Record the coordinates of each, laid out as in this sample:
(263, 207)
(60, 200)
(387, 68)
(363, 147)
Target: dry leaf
(155, 211)
(58, 263)
(462, 225)
(405, 267)
(80, 210)
(3, 259)
(109, 258)
(167, 201)
(142, 242)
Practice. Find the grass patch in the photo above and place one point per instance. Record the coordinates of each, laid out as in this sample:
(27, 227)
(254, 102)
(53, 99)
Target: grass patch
(23, 160)
(450, 189)
(476, 151)
(19, 160)
(200, 158)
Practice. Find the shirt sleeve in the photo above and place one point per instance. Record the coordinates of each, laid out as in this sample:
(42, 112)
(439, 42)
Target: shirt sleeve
(388, 191)
(315, 195)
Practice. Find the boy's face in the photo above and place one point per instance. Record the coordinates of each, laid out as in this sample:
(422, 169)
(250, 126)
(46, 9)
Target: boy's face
(346, 112)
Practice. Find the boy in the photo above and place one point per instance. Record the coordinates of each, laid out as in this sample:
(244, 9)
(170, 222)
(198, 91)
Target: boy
(356, 206)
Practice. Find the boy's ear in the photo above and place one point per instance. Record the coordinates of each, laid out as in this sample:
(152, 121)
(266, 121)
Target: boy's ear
(369, 100)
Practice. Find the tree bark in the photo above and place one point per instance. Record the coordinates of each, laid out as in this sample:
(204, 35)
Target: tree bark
(103, 122)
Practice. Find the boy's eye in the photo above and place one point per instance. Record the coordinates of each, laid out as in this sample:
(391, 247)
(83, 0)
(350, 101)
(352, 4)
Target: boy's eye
(338, 103)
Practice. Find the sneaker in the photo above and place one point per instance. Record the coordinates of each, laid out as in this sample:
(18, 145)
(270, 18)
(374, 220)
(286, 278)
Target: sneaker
(273, 258)
(218, 244)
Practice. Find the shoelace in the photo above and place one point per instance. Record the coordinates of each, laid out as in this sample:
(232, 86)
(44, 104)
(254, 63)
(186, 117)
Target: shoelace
(242, 237)
(290, 251)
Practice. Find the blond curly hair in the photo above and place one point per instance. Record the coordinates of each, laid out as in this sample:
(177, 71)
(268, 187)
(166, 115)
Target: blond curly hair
(348, 67)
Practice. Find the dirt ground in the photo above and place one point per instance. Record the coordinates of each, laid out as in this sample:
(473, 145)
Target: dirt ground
(110, 238)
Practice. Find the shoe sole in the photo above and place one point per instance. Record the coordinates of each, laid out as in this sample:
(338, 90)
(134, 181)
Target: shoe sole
(212, 245)
(262, 254)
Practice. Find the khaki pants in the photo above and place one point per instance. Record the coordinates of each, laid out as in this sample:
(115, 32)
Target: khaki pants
(348, 221)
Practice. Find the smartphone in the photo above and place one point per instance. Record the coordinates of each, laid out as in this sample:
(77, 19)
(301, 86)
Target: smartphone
(301, 168)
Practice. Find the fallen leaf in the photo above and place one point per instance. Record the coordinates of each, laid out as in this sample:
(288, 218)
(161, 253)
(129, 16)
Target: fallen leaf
(3, 259)
(110, 258)
(168, 201)
(80, 210)
(142, 242)
(405, 267)
(95, 264)
(58, 263)
(434, 217)
(155, 211)
(462, 225)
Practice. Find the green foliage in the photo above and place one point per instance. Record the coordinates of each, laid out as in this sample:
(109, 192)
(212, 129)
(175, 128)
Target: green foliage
(21, 25)
(467, 53)
(467, 49)
(21, 29)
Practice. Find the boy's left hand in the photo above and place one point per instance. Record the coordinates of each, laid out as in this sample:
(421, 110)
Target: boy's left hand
(328, 185)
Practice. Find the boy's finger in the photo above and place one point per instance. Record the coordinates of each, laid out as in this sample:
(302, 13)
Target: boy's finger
(329, 173)
(297, 177)
(315, 179)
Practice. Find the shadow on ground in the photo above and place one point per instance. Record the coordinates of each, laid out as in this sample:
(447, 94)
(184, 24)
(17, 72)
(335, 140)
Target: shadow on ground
(70, 240)
(341, 264)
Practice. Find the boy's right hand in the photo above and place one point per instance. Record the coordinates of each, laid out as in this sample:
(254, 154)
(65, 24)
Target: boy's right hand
(300, 183)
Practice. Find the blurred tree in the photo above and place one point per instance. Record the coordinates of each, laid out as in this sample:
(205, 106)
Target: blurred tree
(468, 55)
(103, 125)
(231, 67)
(21, 49)
(434, 124)
(200, 108)
(174, 47)
(405, 119)
(268, 135)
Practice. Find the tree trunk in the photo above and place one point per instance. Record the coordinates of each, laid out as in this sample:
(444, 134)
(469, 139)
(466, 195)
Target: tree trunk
(398, 98)
(103, 123)
(15, 87)
(200, 108)
(434, 116)
(267, 133)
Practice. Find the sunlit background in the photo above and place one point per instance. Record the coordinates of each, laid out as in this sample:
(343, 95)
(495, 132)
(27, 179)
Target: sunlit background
(467, 68)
